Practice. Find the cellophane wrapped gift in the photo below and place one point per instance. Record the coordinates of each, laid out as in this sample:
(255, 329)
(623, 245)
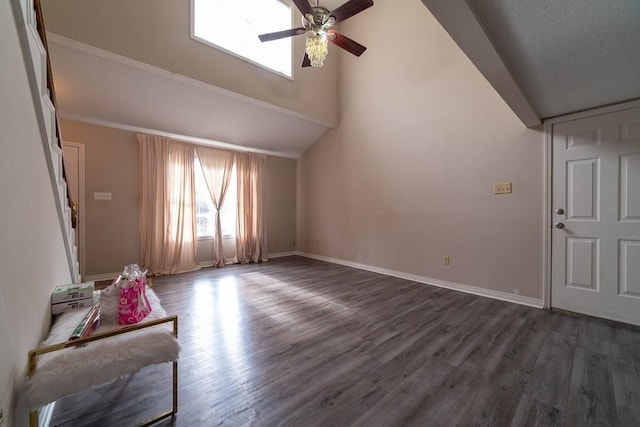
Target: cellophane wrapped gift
(134, 305)
(110, 302)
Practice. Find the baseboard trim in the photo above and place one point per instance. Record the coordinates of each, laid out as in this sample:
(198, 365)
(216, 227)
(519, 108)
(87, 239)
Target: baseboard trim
(282, 254)
(470, 289)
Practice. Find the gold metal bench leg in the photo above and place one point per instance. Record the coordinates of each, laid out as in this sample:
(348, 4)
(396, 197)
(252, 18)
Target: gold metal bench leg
(175, 371)
(174, 410)
(33, 419)
(175, 387)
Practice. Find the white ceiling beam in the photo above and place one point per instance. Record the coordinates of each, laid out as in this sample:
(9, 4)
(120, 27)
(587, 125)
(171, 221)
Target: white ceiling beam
(459, 20)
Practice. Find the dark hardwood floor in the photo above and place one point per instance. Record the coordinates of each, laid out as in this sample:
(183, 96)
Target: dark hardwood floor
(305, 343)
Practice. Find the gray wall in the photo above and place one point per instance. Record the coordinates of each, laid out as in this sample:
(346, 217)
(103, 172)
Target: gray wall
(157, 32)
(112, 228)
(407, 177)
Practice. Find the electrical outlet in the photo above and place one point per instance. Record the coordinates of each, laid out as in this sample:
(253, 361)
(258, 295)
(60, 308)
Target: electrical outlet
(502, 188)
(446, 260)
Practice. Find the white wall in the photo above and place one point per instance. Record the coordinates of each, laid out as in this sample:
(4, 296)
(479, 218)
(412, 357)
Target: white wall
(32, 253)
(407, 177)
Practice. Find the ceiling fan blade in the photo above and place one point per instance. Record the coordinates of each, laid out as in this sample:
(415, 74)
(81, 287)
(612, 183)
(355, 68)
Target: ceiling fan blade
(345, 42)
(304, 7)
(350, 8)
(282, 34)
(306, 62)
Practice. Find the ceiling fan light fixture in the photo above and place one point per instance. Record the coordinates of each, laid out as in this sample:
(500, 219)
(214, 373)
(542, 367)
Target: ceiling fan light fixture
(317, 49)
(318, 21)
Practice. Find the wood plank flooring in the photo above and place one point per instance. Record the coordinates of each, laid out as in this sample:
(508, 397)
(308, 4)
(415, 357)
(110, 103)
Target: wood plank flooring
(299, 342)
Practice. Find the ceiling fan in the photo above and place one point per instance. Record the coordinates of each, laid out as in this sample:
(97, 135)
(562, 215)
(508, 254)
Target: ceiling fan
(319, 22)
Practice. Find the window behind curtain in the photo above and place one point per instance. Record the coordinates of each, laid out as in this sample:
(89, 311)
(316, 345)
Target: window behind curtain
(205, 210)
(234, 26)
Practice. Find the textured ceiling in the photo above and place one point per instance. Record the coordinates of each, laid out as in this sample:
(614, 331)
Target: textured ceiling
(567, 55)
(549, 57)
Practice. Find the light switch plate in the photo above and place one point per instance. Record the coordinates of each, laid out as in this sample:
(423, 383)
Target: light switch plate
(101, 196)
(502, 188)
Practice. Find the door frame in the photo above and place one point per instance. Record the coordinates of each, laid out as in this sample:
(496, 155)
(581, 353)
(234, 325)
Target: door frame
(548, 184)
(81, 202)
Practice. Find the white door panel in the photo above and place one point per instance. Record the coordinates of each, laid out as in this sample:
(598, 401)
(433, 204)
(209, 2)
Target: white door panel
(630, 268)
(596, 183)
(630, 181)
(583, 184)
(583, 258)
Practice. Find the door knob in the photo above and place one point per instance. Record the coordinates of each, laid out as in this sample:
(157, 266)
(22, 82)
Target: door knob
(559, 225)
(560, 211)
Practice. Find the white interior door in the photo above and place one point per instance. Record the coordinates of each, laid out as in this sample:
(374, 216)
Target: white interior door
(74, 167)
(596, 216)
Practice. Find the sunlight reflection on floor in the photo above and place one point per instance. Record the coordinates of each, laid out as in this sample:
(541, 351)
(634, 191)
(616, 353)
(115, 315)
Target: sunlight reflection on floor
(216, 306)
(276, 289)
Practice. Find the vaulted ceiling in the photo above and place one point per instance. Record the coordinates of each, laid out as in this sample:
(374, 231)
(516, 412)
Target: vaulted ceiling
(545, 58)
(102, 88)
(148, 75)
(549, 58)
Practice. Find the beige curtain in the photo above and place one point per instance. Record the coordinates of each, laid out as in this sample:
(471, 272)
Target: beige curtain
(167, 220)
(251, 235)
(217, 166)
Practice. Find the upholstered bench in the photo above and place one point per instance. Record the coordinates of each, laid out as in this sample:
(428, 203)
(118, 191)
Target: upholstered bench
(60, 367)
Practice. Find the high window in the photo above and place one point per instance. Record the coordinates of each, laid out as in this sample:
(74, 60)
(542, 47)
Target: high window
(205, 211)
(234, 26)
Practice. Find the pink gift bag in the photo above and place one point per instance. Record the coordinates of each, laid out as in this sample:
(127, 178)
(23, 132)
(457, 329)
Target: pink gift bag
(134, 305)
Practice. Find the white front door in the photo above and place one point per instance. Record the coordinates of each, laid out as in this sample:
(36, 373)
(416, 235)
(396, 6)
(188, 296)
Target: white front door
(73, 154)
(596, 216)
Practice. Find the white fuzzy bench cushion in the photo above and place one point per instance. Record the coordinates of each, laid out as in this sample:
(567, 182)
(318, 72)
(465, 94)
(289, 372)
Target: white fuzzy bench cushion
(73, 369)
